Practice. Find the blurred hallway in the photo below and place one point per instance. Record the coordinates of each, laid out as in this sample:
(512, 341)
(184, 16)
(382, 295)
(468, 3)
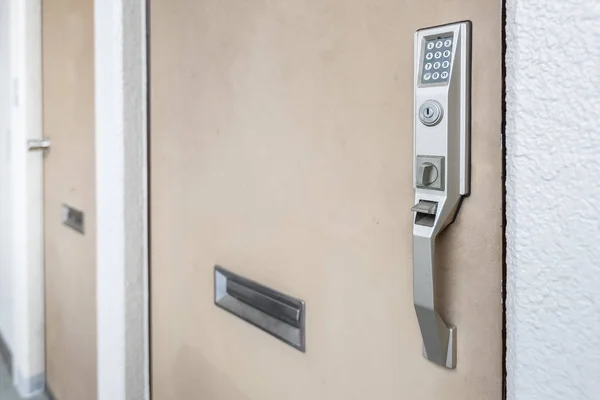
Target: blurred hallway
(7, 391)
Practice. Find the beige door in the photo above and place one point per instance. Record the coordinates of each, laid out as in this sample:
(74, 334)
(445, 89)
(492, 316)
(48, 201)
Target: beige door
(281, 149)
(68, 85)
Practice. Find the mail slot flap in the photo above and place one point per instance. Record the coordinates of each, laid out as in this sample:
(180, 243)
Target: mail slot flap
(265, 300)
(274, 312)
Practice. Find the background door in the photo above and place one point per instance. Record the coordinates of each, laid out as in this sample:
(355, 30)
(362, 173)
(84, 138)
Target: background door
(281, 149)
(68, 85)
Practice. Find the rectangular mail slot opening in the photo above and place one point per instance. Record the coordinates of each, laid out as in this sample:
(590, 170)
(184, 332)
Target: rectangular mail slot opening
(276, 313)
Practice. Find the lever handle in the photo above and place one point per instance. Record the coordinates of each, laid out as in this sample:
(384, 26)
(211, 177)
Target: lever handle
(439, 338)
(38, 144)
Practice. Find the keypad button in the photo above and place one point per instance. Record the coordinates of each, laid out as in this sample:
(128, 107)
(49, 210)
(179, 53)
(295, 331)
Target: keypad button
(447, 53)
(430, 45)
(439, 44)
(444, 74)
(427, 76)
(429, 56)
(436, 65)
(427, 66)
(448, 43)
(438, 54)
(435, 75)
(446, 64)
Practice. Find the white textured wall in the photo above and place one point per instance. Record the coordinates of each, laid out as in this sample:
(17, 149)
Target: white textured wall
(6, 274)
(553, 199)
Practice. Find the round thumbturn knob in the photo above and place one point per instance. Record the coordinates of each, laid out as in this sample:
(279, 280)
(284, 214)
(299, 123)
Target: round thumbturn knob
(428, 174)
(430, 112)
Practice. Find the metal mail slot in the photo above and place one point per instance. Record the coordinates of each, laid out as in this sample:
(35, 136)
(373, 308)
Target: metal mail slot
(73, 218)
(276, 313)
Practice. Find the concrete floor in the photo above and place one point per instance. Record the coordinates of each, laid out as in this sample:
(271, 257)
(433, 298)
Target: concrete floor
(7, 391)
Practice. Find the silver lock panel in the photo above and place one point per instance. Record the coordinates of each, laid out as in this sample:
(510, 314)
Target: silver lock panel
(441, 167)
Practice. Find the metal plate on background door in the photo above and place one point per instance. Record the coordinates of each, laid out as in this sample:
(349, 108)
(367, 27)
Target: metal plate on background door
(73, 218)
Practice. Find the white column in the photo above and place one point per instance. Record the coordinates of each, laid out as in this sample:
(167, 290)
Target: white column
(26, 197)
(6, 265)
(121, 200)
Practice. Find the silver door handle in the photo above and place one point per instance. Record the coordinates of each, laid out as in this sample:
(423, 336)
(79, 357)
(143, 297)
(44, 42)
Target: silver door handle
(38, 144)
(439, 338)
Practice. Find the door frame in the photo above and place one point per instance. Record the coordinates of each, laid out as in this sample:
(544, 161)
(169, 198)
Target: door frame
(121, 200)
(24, 199)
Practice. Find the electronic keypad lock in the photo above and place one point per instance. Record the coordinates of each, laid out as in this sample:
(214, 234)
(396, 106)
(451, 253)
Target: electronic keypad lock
(441, 166)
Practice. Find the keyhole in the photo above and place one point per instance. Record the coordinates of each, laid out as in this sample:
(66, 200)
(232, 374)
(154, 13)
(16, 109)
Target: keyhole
(430, 112)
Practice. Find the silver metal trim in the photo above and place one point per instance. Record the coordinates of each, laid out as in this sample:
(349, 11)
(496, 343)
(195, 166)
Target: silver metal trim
(276, 313)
